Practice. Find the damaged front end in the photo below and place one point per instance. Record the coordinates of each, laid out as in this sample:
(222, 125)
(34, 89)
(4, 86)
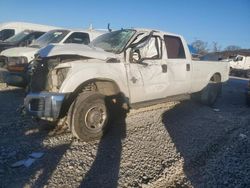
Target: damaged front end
(46, 77)
(48, 74)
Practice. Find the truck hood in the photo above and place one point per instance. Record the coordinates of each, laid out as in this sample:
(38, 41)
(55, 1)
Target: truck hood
(75, 49)
(19, 51)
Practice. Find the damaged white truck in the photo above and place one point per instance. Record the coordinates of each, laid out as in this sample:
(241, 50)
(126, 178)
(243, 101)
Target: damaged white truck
(129, 68)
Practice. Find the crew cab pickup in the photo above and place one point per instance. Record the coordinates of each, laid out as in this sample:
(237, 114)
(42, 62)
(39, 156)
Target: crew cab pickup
(128, 68)
(16, 60)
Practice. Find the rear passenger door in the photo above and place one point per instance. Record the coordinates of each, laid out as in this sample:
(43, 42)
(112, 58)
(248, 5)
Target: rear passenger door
(78, 38)
(179, 67)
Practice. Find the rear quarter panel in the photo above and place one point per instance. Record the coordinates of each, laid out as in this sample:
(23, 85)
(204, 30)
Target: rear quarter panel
(202, 72)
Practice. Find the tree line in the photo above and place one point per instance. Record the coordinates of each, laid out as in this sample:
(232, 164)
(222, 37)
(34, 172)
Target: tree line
(203, 47)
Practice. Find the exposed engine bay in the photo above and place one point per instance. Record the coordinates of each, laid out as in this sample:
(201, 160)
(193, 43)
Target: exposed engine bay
(42, 75)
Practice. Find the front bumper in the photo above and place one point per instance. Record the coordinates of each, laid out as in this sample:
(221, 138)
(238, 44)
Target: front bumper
(12, 78)
(44, 105)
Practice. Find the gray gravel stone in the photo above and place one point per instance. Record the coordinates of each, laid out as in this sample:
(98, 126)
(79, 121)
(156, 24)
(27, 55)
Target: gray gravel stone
(167, 145)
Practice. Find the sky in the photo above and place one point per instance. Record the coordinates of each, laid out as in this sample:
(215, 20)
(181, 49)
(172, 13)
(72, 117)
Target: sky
(226, 22)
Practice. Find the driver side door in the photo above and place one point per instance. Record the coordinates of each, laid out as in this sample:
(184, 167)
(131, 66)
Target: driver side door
(147, 72)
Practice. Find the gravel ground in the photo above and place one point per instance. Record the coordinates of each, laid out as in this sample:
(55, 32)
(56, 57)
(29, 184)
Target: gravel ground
(168, 145)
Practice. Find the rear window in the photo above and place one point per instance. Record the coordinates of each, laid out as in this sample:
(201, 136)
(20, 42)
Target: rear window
(175, 49)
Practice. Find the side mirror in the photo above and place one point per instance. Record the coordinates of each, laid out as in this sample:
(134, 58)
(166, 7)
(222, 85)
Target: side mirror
(135, 57)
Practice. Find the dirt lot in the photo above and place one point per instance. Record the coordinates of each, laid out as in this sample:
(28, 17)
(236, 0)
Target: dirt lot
(168, 145)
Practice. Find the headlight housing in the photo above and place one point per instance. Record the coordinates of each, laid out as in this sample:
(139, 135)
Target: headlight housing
(17, 60)
(61, 75)
(17, 63)
(56, 77)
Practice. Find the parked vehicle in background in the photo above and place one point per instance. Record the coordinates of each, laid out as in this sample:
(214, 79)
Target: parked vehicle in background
(128, 68)
(21, 39)
(240, 66)
(9, 29)
(18, 59)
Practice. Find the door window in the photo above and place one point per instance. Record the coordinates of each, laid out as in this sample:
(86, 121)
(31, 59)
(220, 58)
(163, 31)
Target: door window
(79, 38)
(175, 49)
(147, 49)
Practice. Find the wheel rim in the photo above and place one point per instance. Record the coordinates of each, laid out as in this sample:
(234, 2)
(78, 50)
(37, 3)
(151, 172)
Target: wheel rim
(95, 117)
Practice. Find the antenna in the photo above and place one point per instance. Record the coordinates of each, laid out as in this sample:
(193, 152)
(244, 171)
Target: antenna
(109, 27)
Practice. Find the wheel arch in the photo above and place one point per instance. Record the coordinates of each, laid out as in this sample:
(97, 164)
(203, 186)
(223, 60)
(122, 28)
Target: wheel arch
(106, 87)
(216, 77)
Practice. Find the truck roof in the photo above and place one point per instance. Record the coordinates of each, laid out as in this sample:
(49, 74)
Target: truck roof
(159, 31)
(26, 25)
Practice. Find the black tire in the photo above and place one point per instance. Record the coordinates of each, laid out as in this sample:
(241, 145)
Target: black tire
(116, 111)
(210, 93)
(88, 116)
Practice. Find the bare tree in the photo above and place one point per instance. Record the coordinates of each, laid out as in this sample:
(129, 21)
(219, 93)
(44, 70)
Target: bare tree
(232, 48)
(200, 46)
(216, 47)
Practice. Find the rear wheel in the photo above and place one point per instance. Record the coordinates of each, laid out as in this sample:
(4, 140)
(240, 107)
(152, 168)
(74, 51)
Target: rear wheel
(89, 116)
(210, 93)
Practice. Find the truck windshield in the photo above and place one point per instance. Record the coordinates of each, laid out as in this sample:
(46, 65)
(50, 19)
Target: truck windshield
(114, 41)
(18, 37)
(54, 36)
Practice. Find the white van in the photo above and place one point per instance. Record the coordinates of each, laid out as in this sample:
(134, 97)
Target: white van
(9, 29)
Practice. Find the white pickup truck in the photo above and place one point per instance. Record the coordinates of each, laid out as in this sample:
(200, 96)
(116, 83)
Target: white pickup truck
(124, 69)
(240, 65)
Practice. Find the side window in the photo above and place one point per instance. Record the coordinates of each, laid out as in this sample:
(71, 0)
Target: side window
(30, 38)
(147, 49)
(6, 33)
(239, 58)
(38, 34)
(175, 49)
(79, 38)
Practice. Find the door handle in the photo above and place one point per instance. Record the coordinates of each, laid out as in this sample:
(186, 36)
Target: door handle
(187, 67)
(164, 68)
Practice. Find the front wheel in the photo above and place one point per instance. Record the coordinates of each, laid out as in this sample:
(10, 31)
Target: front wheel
(89, 116)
